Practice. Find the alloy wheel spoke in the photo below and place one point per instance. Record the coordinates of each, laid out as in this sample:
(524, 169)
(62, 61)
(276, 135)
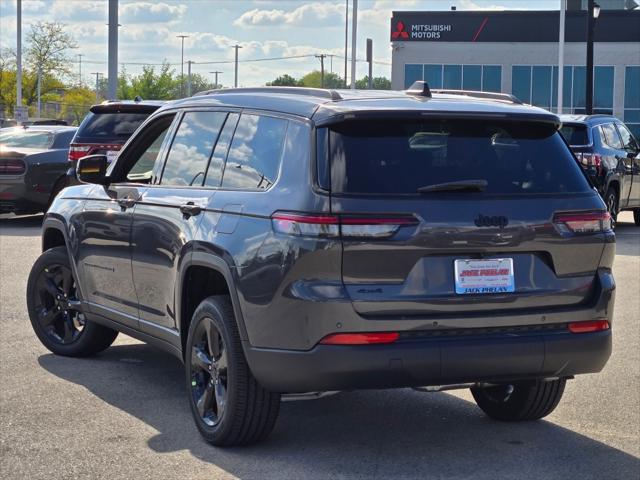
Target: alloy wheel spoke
(212, 338)
(221, 398)
(67, 281)
(221, 363)
(50, 285)
(47, 316)
(204, 402)
(69, 329)
(200, 359)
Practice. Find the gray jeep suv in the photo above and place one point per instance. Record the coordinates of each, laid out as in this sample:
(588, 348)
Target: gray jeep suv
(287, 240)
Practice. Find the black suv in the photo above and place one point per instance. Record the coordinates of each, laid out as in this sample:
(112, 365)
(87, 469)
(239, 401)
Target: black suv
(610, 155)
(286, 240)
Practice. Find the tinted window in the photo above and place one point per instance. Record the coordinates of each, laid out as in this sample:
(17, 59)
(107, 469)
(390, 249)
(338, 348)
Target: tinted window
(628, 142)
(254, 156)
(611, 137)
(575, 134)
(399, 157)
(26, 139)
(216, 165)
(111, 125)
(143, 168)
(192, 147)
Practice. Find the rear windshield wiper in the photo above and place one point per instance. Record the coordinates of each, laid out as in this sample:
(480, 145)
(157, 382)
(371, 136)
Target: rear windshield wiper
(462, 185)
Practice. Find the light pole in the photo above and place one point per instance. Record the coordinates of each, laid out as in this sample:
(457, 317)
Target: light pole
(563, 9)
(182, 37)
(354, 36)
(322, 56)
(235, 81)
(19, 54)
(593, 12)
(112, 71)
(346, 41)
(216, 72)
(39, 90)
(189, 62)
(97, 74)
(80, 55)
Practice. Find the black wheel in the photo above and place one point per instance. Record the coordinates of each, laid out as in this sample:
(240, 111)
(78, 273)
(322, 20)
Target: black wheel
(57, 188)
(611, 199)
(227, 403)
(54, 309)
(525, 401)
(636, 216)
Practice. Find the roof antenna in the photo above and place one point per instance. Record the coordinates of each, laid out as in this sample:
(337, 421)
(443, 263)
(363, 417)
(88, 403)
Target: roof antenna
(419, 88)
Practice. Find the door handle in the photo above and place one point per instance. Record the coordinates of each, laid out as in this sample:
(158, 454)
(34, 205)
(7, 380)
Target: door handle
(190, 209)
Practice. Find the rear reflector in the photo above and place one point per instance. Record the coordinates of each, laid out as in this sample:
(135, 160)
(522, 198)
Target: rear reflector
(360, 338)
(588, 327)
(12, 167)
(581, 223)
(334, 226)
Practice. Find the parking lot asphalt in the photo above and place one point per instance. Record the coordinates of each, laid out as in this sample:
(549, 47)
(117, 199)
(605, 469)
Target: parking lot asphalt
(124, 414)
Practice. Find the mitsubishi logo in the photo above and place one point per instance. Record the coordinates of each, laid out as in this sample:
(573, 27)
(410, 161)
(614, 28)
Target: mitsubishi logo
(399, 33)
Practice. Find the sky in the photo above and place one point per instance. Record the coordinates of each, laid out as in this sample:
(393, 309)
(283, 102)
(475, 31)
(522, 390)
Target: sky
(264, 29)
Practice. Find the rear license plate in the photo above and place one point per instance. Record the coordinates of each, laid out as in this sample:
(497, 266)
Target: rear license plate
(112, 155)
(484, 276)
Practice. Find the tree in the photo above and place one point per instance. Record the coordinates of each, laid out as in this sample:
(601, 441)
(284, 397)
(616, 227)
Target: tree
(284, 81)
(378, 83)
(154, 86)
(77, 102)
(314, 80)
(48, 43)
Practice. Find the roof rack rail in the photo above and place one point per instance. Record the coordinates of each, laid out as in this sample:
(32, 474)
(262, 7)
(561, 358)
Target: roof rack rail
(505, 97)
(309, 92)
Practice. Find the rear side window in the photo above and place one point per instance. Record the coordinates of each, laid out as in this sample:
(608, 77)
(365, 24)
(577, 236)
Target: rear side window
(611, 136)
(254, 156)
(111, 125)
(575, 134)
(191, 148)
(382, 157)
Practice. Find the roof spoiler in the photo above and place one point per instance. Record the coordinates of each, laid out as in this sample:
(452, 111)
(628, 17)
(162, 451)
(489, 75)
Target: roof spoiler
(505, 97)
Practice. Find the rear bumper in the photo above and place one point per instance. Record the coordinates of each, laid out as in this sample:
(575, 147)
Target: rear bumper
(436, 361)
(16, 196)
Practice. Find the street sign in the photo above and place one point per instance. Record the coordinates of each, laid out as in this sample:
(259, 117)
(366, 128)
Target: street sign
(21, 113)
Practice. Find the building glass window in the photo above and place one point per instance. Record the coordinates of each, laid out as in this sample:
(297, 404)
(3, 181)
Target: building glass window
(632, 99)
(472, 77)
(579, 89)
(521, 82)
(603, 89)
(433, 75)
(541, 86)
(452, 77)
(412, 73)
(492, 78)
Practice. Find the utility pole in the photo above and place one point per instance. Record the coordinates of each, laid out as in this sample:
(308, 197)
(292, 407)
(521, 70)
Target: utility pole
(370, 61)
(563, 9)
(97, 74)
(322, 56)
(331, 62)
(189, 62)
(182, 37)
(354, 33)
(19, 54)
(235, 82)
(346, 40)
(113, 50)
(216, 81)
(80, 55)
(39, 90)
(593, 11)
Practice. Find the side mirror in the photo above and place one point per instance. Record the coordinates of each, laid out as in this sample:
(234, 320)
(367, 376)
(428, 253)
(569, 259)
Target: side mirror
(92, 169)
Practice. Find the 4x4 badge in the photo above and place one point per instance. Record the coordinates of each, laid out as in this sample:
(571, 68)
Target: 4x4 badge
(495, 221)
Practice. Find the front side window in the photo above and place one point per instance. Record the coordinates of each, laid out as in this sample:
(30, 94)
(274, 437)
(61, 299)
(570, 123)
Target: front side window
(191, 148)
(628, 142)
(611, 137)
(216, 164)
(254, 155)
(402, 157)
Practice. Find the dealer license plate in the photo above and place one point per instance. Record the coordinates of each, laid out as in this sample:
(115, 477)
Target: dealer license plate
(475, 277)
(112, 155)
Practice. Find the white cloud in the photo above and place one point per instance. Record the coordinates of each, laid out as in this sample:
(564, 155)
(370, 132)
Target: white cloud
(318, 14)
(147, 12)
(471, 5)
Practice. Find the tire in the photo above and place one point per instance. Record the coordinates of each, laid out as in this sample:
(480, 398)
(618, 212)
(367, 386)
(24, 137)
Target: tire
(611, 200)
(636, 216)
(57, 188)
(519, 402)
(249, 411)
(56, 319)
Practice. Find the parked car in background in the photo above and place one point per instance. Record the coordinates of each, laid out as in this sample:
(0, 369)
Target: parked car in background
(289, 240)
(108, 126)
(33, 165)
(610, 154)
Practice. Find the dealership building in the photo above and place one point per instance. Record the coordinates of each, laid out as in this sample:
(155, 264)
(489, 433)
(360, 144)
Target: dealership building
(517, 52)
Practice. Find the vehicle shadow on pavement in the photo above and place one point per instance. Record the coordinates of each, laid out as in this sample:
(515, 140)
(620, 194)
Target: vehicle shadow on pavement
(367, 434)
(21, 226)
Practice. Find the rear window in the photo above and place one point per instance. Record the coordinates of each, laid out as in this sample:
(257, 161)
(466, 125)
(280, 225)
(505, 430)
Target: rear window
(383, 157)
(26, 139)
(111, 125)
(575, 134)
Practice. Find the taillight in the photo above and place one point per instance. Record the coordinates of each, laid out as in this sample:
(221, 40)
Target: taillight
(360, 338)
(334, 226)
(592, 160)
(582, 223)
(589, 326)
(12, 167)
(76, 152)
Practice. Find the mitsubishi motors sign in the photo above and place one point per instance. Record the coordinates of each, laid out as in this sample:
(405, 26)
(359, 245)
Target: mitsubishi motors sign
(419, 31)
